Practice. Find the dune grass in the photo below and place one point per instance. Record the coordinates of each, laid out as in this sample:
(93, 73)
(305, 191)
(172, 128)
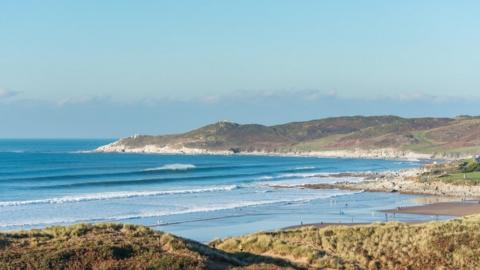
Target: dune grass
(453, 244)
(437, 245)
(117, 246)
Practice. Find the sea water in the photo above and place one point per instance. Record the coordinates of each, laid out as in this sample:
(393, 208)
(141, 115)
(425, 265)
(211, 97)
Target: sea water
(58, 182)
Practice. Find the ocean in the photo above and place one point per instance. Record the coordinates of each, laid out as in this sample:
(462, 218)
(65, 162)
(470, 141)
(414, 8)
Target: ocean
(202, 197)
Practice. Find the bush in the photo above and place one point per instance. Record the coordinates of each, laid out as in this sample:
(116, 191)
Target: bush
(469, 166)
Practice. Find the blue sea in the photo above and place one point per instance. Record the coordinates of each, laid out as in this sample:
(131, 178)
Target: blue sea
(202, 197)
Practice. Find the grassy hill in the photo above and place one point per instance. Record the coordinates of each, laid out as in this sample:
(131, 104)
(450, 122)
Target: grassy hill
(452, 244)
(458, 172)
(434, 136)
(436, 245)
(115, 246)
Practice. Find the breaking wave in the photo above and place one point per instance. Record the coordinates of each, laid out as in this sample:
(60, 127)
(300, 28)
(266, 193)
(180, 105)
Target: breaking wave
(173, 167)
(115, 195)
(187, 210)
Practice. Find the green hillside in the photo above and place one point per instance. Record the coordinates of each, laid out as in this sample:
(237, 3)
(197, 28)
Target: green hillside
(458, 172)
(441, 136)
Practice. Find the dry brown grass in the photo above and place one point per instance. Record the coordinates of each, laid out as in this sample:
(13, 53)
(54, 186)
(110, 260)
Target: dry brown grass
(437, 245)
(115, 246)
(451, 244)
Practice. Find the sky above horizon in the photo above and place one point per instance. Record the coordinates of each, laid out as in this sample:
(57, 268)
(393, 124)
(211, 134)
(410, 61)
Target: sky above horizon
(115, 68)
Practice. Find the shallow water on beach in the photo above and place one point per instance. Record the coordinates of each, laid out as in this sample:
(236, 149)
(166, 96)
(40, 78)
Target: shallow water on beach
(51, 182)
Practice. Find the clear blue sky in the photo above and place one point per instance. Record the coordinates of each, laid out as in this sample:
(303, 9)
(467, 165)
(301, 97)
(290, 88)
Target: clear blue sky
(111, 68)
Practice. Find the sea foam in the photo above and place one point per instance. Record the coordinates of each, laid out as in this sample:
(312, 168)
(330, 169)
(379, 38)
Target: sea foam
(230, 206)
(173, 167)
(188, 210)
(115, 195)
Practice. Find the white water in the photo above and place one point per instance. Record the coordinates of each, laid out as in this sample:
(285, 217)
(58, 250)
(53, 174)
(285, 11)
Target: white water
(173, 167)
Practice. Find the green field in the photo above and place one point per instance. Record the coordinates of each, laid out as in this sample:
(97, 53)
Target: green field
(472, 178)
(460, 172)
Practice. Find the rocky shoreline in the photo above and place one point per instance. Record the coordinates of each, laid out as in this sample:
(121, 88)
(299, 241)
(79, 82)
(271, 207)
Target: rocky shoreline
(383, 153)
(404, 181)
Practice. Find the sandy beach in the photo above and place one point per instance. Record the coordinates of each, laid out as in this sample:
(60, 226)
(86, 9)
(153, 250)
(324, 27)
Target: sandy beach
(464, 208)
(454, 209)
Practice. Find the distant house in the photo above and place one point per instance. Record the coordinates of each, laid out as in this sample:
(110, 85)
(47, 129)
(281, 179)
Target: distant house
(477, 158)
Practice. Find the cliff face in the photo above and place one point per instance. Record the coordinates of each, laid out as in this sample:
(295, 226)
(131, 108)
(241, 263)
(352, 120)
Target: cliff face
(365, 136)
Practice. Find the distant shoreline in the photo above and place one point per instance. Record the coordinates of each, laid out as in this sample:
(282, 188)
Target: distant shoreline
(387, 153)
(372, 137)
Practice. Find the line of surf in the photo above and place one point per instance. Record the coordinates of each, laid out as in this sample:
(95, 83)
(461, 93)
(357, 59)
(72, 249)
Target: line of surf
(145, 181)
(164, 169)
(115, 195)
(160, 213)
(172, 167)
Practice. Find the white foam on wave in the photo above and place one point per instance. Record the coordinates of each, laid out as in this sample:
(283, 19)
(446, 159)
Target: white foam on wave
(198, 209)
(293, 176)
(230, 206)
(304, 168)
(82, 152)
(298, 175)
(115, 195)
(173, 167)
(312, 180)
(14, 151)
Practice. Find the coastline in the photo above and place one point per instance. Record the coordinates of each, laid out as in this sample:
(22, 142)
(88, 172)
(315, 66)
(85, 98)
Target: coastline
(322, 225)
(403, 181)
(381, 153)
(356, 233)
(457, 209)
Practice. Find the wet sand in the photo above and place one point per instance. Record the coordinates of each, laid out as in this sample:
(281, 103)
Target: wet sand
(326, 224)
(323, 225)
(462, 208)
(442, 208)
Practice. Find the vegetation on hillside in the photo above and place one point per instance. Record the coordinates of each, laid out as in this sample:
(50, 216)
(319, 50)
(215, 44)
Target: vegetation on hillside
(460, 172)
(115, 246)
(440, 136)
